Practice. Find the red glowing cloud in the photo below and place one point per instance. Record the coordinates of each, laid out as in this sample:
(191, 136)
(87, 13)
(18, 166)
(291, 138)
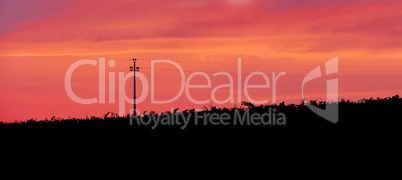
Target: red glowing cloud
(39, 40)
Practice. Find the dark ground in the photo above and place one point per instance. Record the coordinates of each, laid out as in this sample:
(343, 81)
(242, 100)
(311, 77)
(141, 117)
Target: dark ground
(365, 143)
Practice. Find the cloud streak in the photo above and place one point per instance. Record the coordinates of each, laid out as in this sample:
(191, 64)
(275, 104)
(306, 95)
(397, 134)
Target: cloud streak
(286, 32)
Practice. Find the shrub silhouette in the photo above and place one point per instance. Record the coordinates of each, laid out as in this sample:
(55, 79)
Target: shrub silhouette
(366, 142)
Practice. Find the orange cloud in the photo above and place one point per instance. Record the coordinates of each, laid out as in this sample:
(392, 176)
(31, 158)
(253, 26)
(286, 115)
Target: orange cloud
(271, 36)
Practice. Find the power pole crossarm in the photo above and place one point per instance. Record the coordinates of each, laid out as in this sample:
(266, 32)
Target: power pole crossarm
(134, 68)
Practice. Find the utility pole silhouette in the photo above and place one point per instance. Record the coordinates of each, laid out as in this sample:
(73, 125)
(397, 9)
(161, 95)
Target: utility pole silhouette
(134, 68)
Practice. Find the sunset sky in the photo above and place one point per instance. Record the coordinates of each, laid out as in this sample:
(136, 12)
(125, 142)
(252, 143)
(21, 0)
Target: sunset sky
(40, 39)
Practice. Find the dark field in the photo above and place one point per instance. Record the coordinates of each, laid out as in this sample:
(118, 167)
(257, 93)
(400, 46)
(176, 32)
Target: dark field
(365, 143)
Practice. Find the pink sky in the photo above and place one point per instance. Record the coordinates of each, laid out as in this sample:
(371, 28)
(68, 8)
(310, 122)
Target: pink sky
(40, 39)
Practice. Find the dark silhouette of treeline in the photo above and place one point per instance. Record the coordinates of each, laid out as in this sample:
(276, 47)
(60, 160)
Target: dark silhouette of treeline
(365, 143)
